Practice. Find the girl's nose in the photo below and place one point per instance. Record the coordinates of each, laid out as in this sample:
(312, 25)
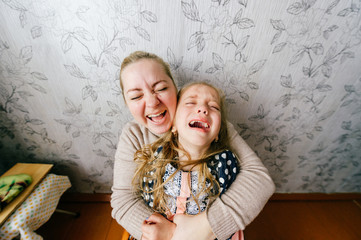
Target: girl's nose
(203, 110)
(152, 100)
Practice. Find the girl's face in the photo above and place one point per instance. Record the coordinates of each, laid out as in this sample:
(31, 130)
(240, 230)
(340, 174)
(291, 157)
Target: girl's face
(150, 95)
(198, 117)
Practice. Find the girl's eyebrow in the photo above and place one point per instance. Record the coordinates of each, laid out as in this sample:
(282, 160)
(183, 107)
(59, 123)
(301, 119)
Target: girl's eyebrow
(191, 97)
(195, 96)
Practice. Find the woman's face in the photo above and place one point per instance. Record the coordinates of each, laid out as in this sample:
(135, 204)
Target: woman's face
(198, 117)
(150, 95)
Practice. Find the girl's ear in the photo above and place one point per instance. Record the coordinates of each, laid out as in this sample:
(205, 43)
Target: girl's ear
(174, 130)
(216, 139)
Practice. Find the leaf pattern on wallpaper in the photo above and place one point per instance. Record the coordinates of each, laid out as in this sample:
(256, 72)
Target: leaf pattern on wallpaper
(28, 11)
(236, 76)
(95, 74)
(79, 123)
(190, 10)
(216, 23)
(276, 135)
(182, 72)
(302, 117)
(94, 180)
(19, 85)
(299, 7)
(317, 63)
(15, 5)
(82, 36)
(174, 62)
(325, 161)
(352, 98)
(15, 88)
(98, 78)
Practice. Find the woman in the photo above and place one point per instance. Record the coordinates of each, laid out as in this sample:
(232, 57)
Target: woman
(151, 96)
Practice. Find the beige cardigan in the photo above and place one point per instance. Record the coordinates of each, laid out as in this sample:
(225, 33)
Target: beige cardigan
(237, 207)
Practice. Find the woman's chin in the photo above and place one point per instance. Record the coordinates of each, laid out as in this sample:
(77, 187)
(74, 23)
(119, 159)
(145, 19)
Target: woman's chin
(158, 129)
(160, 126)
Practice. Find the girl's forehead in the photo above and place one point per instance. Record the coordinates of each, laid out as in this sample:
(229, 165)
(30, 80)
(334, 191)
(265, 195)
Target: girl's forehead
(201, 91)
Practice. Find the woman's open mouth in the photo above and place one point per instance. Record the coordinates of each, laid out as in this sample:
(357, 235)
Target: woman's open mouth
(157, 117)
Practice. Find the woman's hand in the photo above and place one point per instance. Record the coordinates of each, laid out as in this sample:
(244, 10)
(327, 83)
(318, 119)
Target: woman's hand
(157, 227)
(192, 227)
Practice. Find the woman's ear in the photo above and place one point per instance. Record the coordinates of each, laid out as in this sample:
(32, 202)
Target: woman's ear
(216, 139)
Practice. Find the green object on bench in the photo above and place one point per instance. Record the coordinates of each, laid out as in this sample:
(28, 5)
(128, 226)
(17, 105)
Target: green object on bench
(11, 186)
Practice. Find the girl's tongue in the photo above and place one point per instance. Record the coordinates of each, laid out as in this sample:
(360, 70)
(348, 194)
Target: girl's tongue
(199, 124)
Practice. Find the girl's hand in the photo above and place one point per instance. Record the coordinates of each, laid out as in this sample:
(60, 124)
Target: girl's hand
(192, 227)
(157, 227)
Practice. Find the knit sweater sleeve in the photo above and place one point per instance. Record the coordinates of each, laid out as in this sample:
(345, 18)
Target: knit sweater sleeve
(129, 210)
(247, 195)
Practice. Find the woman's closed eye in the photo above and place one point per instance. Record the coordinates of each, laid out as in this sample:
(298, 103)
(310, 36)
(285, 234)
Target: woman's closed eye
(161, 89)
(136, 97)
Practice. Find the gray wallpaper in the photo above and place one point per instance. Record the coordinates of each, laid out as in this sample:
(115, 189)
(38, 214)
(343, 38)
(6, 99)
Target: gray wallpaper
(291, 71)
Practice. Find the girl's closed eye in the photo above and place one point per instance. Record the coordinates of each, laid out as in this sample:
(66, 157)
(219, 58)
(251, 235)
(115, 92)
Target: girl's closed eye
(190, 103)
(215, 107)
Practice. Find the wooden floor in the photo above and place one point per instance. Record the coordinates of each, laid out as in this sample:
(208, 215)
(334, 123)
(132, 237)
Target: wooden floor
(289, 220)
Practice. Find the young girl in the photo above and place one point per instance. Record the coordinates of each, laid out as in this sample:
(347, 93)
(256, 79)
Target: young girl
(190, 165)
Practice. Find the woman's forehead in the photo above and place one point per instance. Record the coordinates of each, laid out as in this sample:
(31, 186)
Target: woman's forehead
(143, 66)
(144, 71)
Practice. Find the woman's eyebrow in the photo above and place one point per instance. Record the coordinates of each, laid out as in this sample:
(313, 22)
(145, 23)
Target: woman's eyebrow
(139, 89)
(134, 90)
(158, 82)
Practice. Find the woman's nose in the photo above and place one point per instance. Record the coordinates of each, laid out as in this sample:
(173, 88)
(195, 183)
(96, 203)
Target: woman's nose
(152, 100)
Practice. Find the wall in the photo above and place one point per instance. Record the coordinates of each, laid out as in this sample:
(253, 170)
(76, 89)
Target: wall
(291, 71)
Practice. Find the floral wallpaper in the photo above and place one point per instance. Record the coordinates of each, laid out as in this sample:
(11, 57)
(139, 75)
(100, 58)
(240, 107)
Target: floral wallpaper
(291, 71)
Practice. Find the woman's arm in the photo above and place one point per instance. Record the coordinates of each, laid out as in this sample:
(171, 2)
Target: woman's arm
(247, 195)
(128, 209)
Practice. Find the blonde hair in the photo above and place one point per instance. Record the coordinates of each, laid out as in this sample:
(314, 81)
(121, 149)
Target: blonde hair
(140, 55)
(151, 166)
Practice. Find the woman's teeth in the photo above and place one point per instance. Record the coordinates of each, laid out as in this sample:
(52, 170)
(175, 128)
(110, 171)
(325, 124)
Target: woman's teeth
(151, 116)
